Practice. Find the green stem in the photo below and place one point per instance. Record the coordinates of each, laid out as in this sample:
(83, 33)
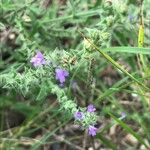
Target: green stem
(107, 57)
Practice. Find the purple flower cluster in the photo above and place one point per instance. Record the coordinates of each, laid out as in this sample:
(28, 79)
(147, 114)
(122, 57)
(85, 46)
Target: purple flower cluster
(60, 74)
(38, 59)
(92, 130)
(91, 108)
(80, 116)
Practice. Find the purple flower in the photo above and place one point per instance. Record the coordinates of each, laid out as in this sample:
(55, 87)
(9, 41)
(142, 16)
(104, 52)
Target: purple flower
(123, 115)
(130, 17)
(91, 108)
(92, 130)
(61, 75)
(38, 59)
(78, 115)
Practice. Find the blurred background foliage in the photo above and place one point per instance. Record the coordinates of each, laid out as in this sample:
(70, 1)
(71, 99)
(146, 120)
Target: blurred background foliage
(52, 26)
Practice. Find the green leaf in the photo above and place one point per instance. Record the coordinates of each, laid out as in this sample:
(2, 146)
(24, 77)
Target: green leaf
(114, 63)
(42, 93)
(2, 26)
(134, 50)
(111, 90)
(129, 130)
(105, 141)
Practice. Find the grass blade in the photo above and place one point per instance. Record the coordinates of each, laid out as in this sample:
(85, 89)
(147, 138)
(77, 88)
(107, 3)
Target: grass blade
(134, 50)
(114, 63)
(106, 142)
(129, 130)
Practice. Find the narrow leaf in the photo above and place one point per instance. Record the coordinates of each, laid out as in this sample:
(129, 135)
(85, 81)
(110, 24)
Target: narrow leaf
(134, 50)
(106, 142)
(129, 130)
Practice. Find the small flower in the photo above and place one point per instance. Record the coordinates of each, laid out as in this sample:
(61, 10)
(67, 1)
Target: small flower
(130, 17)
(92, 130)
(78, 115)
(61, 75)
(123, 115)
(91, 108)
(38, 59)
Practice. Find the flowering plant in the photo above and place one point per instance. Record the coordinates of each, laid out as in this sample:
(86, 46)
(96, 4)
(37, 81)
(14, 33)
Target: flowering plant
(86, 118)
